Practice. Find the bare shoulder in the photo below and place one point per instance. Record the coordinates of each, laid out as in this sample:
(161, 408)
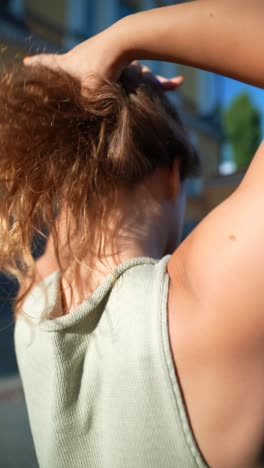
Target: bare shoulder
(216, 325)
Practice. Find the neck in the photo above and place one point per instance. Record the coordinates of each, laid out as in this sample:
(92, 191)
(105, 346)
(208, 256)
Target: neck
(142, 233)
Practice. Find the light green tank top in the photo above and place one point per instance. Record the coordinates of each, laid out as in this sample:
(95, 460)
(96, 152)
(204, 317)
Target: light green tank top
(100, 384)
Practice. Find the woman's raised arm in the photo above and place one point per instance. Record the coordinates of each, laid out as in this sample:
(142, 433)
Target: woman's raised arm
(224, 36)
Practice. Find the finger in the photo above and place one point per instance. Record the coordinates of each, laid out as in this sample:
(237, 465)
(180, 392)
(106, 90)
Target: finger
(146, 69)
(170, 84)
(136, 63)
(147, 73)
(175, 79)
(46, 60)
(141, 67)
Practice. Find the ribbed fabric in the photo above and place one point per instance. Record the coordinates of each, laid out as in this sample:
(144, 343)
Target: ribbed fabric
(100, 385)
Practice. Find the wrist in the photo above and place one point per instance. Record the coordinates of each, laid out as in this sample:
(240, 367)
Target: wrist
(120, 43)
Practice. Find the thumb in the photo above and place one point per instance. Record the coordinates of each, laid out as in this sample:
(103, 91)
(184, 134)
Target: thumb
(46, 60)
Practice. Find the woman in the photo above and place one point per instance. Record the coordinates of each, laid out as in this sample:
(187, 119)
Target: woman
(163, 364)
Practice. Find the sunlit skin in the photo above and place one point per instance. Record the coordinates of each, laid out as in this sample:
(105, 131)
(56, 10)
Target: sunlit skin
(150, 221)
(216, 301)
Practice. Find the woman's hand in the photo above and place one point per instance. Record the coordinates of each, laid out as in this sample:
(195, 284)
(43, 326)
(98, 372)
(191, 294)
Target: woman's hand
(89, 61)
(168, 84)
(93, 60)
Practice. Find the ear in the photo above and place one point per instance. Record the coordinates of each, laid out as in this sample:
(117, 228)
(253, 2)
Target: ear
(174, 179)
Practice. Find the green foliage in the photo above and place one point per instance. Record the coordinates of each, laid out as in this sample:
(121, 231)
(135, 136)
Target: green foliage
(242, 123)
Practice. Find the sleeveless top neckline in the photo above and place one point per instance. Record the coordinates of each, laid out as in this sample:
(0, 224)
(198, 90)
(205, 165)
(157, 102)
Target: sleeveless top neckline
(50, 289)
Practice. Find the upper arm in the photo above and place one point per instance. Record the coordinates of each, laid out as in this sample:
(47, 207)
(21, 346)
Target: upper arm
(216, 324)
(224, 256)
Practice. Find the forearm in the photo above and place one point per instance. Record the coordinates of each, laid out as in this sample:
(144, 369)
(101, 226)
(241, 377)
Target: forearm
(223, 36)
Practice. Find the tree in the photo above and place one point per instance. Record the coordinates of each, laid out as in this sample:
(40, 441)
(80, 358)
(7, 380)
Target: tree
(242, 123)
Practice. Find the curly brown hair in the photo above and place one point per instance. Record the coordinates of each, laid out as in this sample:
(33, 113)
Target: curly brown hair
(61, 147)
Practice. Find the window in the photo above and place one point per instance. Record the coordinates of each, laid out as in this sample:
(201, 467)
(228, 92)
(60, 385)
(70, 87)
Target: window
(4, 5)
(127, 8)
(12, 7)
(90, 14)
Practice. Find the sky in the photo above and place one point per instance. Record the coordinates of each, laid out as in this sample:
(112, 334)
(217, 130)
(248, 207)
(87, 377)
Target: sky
(230, 88)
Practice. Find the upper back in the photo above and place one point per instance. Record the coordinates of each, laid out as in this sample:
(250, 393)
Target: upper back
(101, 379)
